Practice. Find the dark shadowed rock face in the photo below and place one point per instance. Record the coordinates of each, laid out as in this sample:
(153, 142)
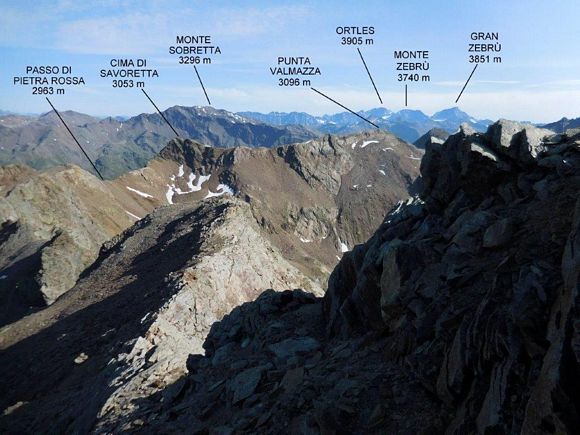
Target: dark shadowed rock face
(437, 135)
(476, 281)
(270, 368)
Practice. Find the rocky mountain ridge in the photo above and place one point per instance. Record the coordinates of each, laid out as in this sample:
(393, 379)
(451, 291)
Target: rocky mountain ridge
(117, 146)
(312, 200)
(476, 282)
(563, 124)
(126, 328)
(461, 311)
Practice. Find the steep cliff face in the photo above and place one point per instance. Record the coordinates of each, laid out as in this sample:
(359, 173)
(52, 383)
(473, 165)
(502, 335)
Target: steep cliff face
(475, 281)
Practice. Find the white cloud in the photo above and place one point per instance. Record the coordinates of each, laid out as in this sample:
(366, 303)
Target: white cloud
(459, 84)
(563, 83)
(13, 21)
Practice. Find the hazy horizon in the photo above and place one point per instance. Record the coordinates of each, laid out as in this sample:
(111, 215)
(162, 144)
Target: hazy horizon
(130, 115)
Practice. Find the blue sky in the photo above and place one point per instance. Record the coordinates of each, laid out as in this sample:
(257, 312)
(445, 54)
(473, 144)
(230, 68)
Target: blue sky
(538, 79)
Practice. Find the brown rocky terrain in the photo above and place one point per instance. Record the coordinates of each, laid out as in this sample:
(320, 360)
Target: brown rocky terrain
(459, 315)
(312, 200)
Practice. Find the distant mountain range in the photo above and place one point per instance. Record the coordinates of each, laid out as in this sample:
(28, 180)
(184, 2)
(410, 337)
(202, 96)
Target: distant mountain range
(409, 125)
(563, 124)
(118, 145)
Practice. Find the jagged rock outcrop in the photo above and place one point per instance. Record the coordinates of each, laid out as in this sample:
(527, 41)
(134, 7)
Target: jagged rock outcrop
(436, 135)
(270, 368)
(476, 280)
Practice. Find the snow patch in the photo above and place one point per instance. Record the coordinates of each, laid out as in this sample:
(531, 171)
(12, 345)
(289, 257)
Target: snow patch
(368, 142)
(200, 180)
(343, 247)
(3, 276)
(138, 192)
(190, 179)
(388, 148)
(414, 158)
(222, 189)
(132, 215)
(303, 240)
(353, 145)
(399, 207)
(382, 172)
(174, 190)
(169, 194)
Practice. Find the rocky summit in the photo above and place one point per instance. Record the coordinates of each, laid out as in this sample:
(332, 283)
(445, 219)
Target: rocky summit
(458, 315)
